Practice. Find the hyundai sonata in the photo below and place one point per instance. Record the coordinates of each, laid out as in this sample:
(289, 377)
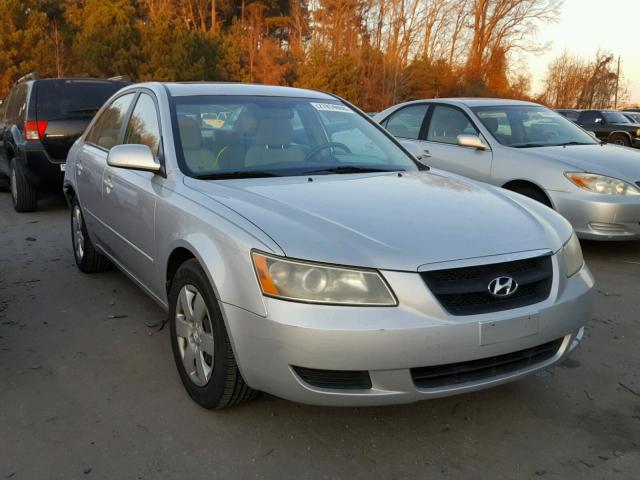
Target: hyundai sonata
(301, 251)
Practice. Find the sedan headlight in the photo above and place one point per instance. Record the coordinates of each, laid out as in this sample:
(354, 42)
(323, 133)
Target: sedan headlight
(573, 258)
(602, 184)
(302, 281)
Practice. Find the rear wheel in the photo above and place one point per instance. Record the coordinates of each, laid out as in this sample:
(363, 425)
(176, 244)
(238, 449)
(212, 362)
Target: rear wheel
(620, 139)
(201, 346)
(23, 194)
(87, 258)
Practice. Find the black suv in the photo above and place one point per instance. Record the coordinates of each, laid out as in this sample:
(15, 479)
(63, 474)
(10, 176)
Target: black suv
(611, 126)
(39, 121)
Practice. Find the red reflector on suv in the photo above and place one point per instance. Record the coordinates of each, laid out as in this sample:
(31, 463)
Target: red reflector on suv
(34, 130)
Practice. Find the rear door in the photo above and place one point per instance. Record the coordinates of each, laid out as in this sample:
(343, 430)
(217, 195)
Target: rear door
(440, 142)
(129, 197)
(92, 160)
(68, 106)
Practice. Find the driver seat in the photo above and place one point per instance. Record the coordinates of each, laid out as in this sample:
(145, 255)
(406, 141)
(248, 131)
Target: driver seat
(272, 144)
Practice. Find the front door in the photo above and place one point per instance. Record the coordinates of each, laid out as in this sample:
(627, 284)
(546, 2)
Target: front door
(440, 144)
(129, 198)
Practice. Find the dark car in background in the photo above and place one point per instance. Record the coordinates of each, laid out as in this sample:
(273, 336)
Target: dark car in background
(39, 121)
(634, 117)
(569, 113)
(611, 126)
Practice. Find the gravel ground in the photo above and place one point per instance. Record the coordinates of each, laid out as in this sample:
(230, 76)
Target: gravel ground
(87, 390)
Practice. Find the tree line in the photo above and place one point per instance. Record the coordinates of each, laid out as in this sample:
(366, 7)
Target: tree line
(372, 52)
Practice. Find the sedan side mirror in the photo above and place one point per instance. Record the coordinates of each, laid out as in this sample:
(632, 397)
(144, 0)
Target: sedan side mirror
(133, 157)
(472, 141)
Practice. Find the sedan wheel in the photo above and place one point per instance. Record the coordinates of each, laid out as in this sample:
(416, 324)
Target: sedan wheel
(200, 343)
(194, 335)
(76, 232)
(87, 258)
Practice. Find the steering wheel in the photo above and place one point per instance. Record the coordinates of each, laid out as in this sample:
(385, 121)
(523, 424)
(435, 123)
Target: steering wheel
(318, 148)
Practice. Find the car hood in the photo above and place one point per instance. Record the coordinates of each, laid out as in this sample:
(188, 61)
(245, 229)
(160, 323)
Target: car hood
(388, 221)
(606, 159)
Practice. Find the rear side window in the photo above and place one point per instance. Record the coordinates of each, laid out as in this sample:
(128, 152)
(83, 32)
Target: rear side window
(106, 129)
(143, 127)
(447, 123)
(17, 103)
(406, 123)
(60, 99)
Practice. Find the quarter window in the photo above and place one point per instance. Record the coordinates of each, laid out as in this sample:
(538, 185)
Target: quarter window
(447, 123)
(406, 123)
(106, 129)
(143, 127)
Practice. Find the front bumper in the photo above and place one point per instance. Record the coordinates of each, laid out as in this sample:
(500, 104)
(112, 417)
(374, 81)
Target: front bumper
(600, 217)
(388, 342)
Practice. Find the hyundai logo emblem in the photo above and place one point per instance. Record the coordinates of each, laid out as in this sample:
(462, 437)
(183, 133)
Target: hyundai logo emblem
(503, 287)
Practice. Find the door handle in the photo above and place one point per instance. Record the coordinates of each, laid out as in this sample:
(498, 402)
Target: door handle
(108, 184)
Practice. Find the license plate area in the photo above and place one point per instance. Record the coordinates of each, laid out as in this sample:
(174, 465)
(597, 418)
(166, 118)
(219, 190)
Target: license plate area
(499, 331)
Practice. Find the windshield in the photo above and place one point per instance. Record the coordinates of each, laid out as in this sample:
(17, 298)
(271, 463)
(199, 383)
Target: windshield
(523, 126)
(243, 136)
(615, 117)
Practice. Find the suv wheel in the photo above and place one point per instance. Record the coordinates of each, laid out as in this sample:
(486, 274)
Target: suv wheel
(621, 140)
(87, 258)
(201, 347)
(23, 194)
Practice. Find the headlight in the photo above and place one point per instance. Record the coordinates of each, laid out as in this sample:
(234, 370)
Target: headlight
(573, 258)
(601, 184)
(638, 133)
(317, 283)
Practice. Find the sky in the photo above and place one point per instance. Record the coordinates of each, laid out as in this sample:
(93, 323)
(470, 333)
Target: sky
(586, 25)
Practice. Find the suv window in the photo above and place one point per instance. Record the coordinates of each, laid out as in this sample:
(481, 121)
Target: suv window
(106, 129)
(589, 117)
(59, 99)
(143, 127)
(17, 102)
(447, 123)
(406, 122)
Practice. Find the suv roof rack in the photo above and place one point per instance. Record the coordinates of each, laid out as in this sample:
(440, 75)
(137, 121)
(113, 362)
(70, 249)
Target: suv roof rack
(120, 77)
(28, 76)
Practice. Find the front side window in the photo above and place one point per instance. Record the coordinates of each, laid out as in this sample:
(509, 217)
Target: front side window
(523, 126)
(106, 129)
(589, 117)
(143, 127)
(615, 117)
(235, 136)
(407, 122)
(447, 123)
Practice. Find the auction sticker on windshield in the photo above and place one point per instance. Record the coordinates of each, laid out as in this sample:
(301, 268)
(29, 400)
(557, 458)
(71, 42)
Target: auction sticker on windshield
(330, 107)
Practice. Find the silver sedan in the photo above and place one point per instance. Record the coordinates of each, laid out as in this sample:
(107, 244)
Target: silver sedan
(301, 251)
(529, 149)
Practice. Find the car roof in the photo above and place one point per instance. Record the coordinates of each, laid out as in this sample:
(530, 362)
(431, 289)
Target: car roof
(481, 102)
(222, 88)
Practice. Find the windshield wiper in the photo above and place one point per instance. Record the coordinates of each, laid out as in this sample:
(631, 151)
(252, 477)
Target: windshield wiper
(349, 169)
(82, 110)
(573, 143)
(531, 145)
(238, 174)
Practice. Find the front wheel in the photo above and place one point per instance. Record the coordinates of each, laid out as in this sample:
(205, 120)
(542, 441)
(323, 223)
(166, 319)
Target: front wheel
(23, 194)
(622, 140)
(201, 347)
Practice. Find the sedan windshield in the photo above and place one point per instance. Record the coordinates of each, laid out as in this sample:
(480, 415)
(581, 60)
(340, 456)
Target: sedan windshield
(224, 137)
(523, 126)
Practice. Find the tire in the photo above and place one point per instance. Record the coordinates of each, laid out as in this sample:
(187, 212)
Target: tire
(534, 193)
(200, 343)
(87, 258)
(620, 140)
(23, 194)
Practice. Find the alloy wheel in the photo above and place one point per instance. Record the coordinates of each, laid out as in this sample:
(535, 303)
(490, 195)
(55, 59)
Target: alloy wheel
(194, 335)
(14, 186)
(78, 235)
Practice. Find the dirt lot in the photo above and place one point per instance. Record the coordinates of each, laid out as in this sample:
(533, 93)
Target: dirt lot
(87, 390)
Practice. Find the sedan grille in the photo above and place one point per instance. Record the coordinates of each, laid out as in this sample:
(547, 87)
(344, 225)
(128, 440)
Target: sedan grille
(465, 291)
(452, 374)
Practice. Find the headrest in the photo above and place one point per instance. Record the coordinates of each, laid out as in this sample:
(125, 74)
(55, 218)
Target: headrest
(491, 124)
(274, 131)
(189, 133)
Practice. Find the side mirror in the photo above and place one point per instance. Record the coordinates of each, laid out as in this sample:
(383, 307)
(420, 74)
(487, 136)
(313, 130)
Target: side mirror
(133, 157)
(592, 134)
(472, 141)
